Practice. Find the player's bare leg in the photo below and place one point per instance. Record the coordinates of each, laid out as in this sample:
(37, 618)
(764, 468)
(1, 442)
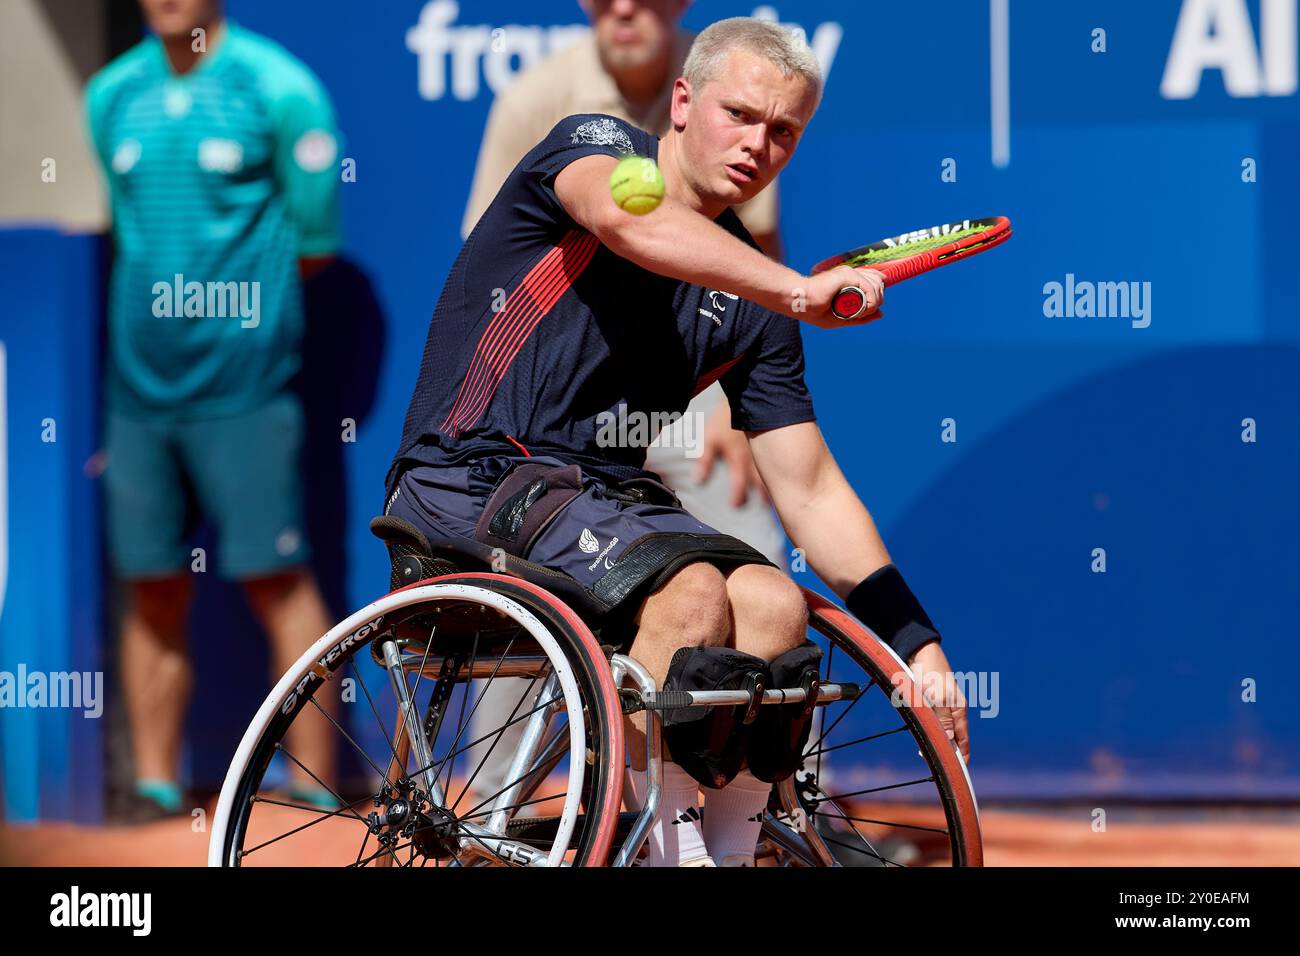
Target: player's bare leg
(769, 611)
(689, 610)
(770, 617)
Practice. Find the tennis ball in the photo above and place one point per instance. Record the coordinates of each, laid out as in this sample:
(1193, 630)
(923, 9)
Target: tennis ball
(637, 185)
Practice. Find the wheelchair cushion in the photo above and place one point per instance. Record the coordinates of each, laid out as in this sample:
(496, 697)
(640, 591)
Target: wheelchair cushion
(449, 555)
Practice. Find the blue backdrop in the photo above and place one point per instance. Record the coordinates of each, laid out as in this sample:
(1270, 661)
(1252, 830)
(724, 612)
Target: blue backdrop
(1071, 433)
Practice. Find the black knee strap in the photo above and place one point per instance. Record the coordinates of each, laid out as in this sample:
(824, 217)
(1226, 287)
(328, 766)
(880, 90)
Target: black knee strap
(710, 743)
(779, 735)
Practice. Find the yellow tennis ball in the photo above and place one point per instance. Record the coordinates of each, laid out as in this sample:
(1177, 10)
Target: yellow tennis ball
(637, 185)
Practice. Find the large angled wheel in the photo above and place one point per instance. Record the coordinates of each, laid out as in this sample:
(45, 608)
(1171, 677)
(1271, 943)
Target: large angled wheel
(881, 784)
(415, 662)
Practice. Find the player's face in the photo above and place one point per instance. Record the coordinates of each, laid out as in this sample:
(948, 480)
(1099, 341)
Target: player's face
(173, 18)
(633, 33)
(742, 128)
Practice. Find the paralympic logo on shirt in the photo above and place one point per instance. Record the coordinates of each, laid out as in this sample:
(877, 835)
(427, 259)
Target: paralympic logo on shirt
(635, 429)
(191, 300)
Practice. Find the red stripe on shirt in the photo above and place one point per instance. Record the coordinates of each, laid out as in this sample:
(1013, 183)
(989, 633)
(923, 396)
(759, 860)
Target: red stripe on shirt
(708, 378)
(552, 276)
(477, 375)
(533, 299)
(541, 296)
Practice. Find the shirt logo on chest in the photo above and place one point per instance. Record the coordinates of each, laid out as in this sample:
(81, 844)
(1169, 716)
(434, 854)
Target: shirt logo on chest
(718, 303)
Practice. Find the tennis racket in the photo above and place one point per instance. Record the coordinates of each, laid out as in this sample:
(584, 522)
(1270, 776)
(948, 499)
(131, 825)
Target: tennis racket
(901, 257)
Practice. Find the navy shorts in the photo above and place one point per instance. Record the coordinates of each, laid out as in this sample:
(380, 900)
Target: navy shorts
(617, 542)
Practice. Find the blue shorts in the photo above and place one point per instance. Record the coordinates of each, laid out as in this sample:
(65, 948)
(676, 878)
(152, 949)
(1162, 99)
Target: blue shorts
(617, 542)
(241, 473)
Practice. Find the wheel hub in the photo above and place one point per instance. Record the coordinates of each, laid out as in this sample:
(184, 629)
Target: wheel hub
(403, 814)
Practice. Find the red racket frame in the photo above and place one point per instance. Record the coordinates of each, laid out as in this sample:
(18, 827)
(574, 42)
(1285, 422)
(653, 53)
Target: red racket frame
(850, 301)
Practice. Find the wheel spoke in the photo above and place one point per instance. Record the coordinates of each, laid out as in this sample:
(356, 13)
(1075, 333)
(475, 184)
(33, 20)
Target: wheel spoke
(861, 740)
(438, 698)
(487, 800)
(892, 786)
(885, 823)
(392, 850)
(348, 737)
(841, 715)
(364, 843)
(426, 831)
(299, 829)
(500, 730)
(428, 646)
(468, 720)
(383, 728)
(495, 733)
(334, 793)
(460, 720)
(857, 849)
(298, 806)
(345, 805)
(513, 806)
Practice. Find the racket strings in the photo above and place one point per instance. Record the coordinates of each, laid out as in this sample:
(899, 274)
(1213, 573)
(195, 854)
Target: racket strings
(889, 254)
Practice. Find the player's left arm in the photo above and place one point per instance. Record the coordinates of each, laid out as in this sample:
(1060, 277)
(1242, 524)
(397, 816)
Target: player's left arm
(824, 516)
(306, 162)
(821, 512)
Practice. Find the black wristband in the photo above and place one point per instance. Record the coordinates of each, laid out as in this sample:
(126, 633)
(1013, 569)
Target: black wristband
(885, 603)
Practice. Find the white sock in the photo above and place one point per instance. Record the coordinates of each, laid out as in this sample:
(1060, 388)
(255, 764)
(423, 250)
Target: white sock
(733, 817)
(677, 838)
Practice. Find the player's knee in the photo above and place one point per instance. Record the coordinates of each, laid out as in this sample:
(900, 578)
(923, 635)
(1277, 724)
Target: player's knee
(771, 612)
(786, 612)
(692, 605)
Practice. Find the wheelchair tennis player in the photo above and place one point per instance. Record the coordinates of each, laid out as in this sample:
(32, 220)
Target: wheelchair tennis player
(564, 313)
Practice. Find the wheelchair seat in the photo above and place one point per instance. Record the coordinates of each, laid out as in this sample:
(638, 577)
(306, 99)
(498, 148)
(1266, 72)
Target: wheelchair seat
(416, 557)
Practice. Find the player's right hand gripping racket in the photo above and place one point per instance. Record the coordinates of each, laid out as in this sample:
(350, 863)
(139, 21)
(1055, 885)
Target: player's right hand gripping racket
(901, 257)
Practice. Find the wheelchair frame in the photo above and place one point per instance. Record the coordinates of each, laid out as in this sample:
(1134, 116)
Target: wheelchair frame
(626, 687)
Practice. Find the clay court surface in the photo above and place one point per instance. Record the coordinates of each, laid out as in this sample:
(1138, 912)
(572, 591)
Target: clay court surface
(1058, 836)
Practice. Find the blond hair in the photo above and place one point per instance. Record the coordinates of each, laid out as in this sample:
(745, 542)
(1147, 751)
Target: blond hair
(782, 46)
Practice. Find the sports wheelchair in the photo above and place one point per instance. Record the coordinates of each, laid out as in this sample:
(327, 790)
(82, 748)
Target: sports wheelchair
(880, 785)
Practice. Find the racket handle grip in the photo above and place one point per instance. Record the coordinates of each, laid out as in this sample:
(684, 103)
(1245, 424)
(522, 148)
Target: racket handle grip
(849, 303)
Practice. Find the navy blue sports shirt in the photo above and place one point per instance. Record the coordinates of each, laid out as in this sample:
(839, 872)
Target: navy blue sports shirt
(540, 329)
